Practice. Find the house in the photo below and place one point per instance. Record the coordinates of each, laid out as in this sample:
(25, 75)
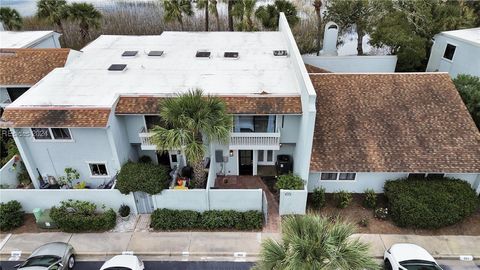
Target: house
(456, 52)
(29, 39)
(376, 127)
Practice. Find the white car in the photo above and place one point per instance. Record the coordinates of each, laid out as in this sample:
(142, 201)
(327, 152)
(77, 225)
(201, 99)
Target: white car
(123, 262)
(409, 257)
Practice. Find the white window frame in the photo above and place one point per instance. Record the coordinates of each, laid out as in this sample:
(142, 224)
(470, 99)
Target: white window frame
(265, 155)
(52, 138)
(337, 179)
(98, 162)
(453, 56)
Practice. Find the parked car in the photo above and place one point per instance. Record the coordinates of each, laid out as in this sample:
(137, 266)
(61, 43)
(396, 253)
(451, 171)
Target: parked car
(123, 262)
(52, 256)
(409, 257)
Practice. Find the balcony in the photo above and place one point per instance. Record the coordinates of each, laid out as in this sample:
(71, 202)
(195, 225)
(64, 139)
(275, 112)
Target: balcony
(254, 141)
(145, 140)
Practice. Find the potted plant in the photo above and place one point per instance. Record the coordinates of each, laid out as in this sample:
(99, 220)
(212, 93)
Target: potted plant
(124, 212)
(71, 175)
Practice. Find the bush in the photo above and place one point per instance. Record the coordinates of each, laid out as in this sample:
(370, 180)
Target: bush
(364, 222)
(430, 203)
(145, 159)
(81, 216)
(343, 198)
(381, 213)
(11, 215)
(146, 177)
(318, 198)
(289, 182)
(370, 199)
(166, 219)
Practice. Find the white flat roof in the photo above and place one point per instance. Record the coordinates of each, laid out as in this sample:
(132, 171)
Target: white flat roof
(87, 82)
(472, 34)
(21, 39)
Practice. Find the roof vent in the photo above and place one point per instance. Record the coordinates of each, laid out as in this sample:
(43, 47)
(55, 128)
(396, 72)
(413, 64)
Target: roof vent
(117, 67)
(129, 53)
(155, 53)
(203, 54)
(280, 53)
(233, 55)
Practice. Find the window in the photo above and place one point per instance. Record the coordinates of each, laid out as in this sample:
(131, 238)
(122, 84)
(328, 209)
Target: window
(174, 158)
(346, 176)
(261, 153)
(435, 175)
(41, 134)
(98, 169)
(61, 134)
(260, 123)
(449, 52)
(269, 155)
(416, 175)
(328, 176)
(129, 53)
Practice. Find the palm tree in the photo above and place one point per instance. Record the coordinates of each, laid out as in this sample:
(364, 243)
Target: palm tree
(189, 119)
(87, 16)
(230, 16)
(10, 18)
(175, 9)
(317, 4)
(214, 10)
(268, 15)
(53, 11)
(243, 10)
(203, 4)
(314, 242)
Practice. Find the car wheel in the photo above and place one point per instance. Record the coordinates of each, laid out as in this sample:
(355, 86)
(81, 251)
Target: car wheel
(387, 265)
(71, 262)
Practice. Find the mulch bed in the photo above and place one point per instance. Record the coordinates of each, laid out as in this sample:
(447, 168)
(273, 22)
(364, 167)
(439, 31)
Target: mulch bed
(29, 226)
(355, 212)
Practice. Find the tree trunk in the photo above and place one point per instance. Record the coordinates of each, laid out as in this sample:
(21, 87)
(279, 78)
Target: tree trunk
(230, 17)
(360, 35)
(206, 15)
(60, 27)
(217, 18)
(319, 29)
(181, 24)
(199, 176)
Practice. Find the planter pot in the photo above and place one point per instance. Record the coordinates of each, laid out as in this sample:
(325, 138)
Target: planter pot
(125, 218)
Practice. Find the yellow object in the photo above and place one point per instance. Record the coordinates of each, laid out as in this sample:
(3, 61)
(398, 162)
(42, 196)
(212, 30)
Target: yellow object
(180, 187)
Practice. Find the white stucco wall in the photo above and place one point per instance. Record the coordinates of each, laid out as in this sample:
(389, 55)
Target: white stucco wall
(8, 174)
(466, 59)
(354, 63)
(195, 199)
(289, 132)
(293, 202)
(235, 199)
(133, 125)
(48, 42)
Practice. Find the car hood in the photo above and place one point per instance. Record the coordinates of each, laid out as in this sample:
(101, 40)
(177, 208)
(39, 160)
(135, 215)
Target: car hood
(55, 248)
(404, 252)
(130, 261)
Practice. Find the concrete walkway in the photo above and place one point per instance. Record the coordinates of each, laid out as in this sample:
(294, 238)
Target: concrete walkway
(226, 245)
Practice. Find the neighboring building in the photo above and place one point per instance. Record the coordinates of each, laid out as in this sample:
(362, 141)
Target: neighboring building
(29, 39)
(376, 127)
(456, 52)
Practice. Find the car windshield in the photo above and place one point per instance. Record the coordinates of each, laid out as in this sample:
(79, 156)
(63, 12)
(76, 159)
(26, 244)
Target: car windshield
(118, 268)
(45, 261)
(420, 265)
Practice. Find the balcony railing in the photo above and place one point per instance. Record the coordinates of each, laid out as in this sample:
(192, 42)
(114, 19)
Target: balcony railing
(255, 141)
(146, 140)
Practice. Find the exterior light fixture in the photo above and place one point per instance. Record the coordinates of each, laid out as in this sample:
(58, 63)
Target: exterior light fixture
(231, 153)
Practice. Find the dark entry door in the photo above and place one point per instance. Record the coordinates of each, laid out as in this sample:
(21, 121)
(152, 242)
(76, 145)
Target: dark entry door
(163, 158)
(245, 162)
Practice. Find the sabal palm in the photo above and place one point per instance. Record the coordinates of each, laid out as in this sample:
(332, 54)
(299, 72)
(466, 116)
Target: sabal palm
(204, 4)
(243, 10)
(10, 18)
(53, 11)
(315, 242)
(268, 15)
(189, 119)
(176, 9)
(87, 16)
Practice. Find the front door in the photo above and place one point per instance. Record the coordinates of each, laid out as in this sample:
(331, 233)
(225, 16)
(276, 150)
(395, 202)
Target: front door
(245, 162)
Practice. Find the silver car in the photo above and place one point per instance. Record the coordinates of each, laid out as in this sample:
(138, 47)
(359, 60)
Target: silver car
(51, 256)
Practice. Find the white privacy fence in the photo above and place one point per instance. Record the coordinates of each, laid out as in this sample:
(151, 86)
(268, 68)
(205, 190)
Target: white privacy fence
(235, 199)
(8, 174)
(193, 199)
(293, 201)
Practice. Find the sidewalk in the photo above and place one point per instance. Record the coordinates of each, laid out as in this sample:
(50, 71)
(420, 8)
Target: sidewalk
(207, 245)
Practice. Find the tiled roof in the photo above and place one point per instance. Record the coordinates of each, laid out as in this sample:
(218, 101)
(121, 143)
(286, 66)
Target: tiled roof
(28, 66)
(314, 69)
(55, 117)
(235, 105)
(392, 123)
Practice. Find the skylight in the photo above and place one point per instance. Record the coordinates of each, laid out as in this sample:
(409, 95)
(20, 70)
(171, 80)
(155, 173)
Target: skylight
(129, 53)
(155, 53)
(117, 67)
(203, 54)
(280, 53)
(231, 55)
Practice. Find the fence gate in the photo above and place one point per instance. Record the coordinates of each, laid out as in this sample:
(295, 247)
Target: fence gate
(144, 202)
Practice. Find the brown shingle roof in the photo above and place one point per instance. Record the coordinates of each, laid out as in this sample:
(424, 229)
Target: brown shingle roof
(235, 105)
(314, 69)
(55, 117)
(28, 66)
(392, 123)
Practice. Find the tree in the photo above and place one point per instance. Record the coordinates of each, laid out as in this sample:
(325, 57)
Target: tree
(10, 18)
(243, 10)
(351, 16)
(269, 14)
(203, 4)
(214, 10)
(54, 11)
(314, 242)
(176, 9)
(230, 16)
(317, 4)
(469, 89)
(191, 118)
(87, 16)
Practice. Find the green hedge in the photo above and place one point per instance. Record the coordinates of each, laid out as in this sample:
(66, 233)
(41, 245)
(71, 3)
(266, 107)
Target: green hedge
(166, 219)
(146, 177)
(11, 215)
(81, 216)
(430, 203)
(289, 182)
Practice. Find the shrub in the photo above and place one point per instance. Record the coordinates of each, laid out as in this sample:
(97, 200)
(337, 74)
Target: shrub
(381, 213)
(81, 216)
(318, 198)
(11, 215)
(146, 177)
(166, 219)
(370, 199)
(343, 198)
(145, 159)
(289, 182)
(430, 203)
(364, 222)
(124, 210)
